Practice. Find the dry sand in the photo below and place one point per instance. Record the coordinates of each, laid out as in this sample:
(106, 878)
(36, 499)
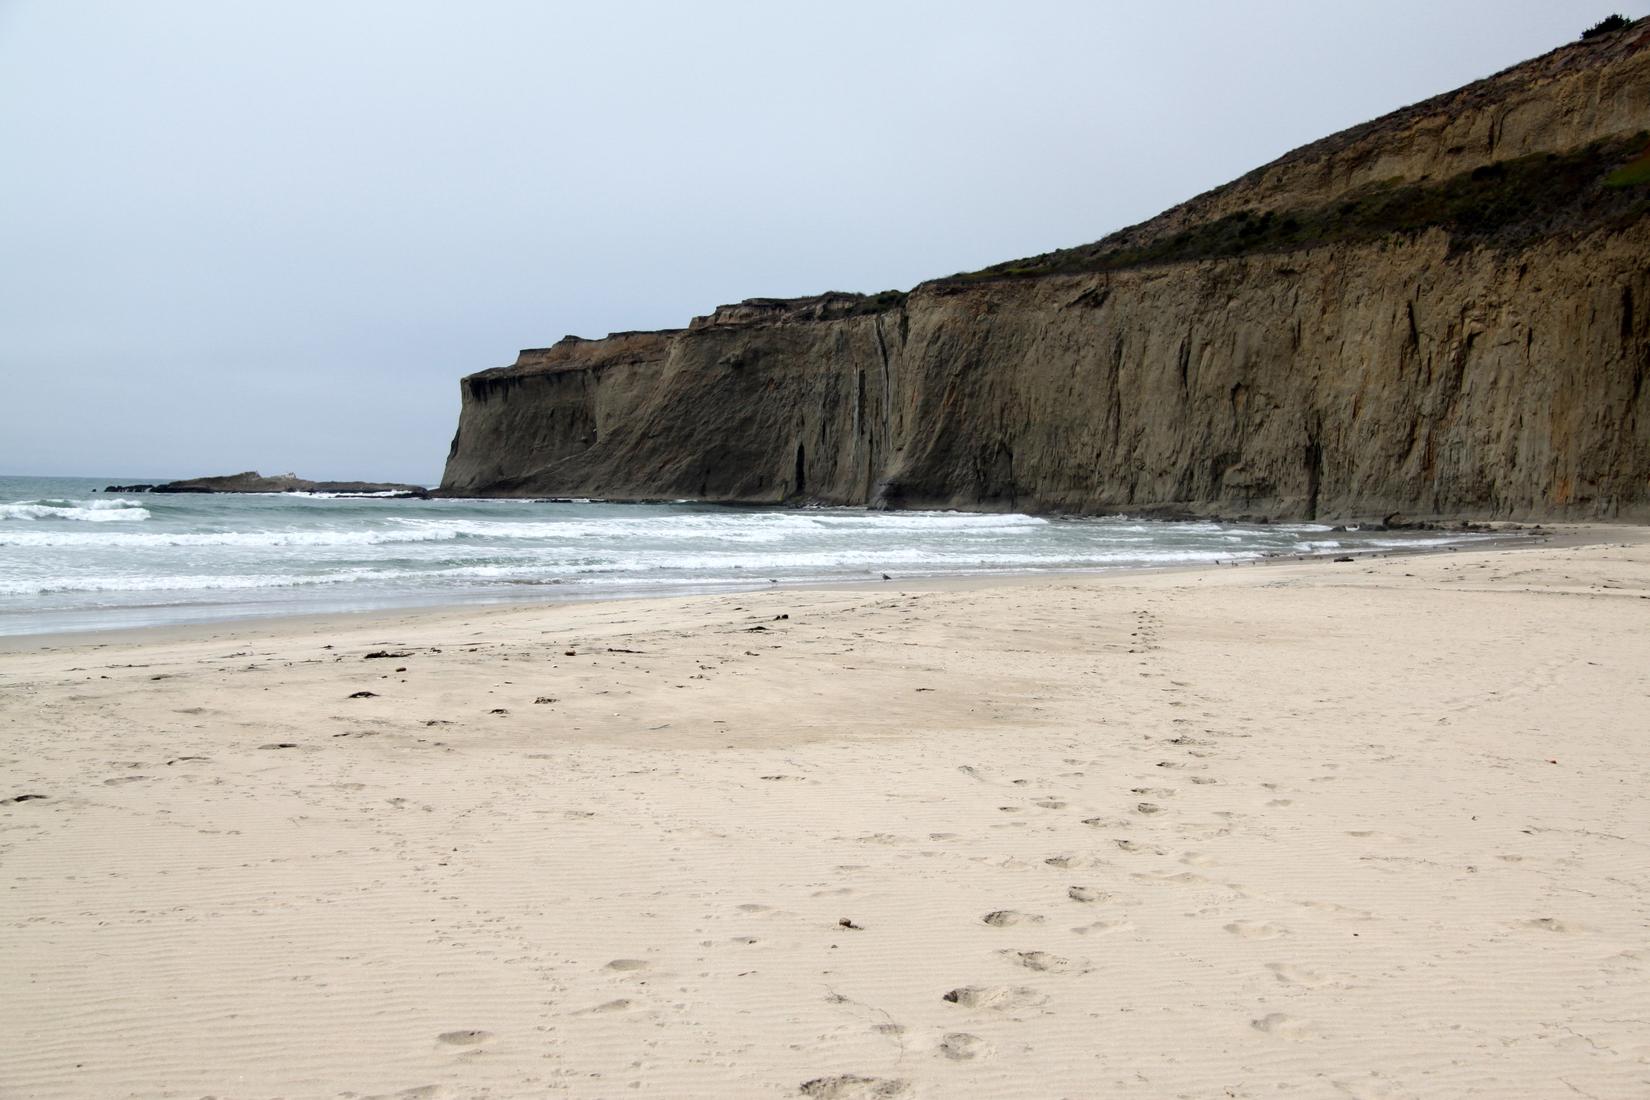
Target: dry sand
(1376, 829)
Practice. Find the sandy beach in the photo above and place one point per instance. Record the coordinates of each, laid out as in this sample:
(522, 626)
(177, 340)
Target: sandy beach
(1366, 829)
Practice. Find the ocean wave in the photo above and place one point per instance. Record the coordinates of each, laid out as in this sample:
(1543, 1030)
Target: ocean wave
(115, 510)
(405, 532)
(57, 586)
(269, 552)
(769, 529)
(319, 494)
(204, 583)
(250, 540)
(902, 521)
(644, 567)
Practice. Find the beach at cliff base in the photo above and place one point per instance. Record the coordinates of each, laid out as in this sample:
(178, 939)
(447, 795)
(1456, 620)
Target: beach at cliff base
(1370, 828)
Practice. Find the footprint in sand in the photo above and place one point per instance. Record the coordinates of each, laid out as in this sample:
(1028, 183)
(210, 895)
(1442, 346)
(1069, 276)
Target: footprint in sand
(882, 838)
(1196, 859)
(627, 964)
(1148, 808)
(1102, 927)
(1289, 974)
(1375, 834)
(996, 998)
(960, 1046)
(1373, 1089)
(1182, 878)
(1280, 1026)
(1041, 961)
(465, 1038)
(1254, 930)
(1553, 924)
(1331, 907)
(1086, 894)
(1004, 918)
(852, 1086)
(618, 1005)
(1203, 780)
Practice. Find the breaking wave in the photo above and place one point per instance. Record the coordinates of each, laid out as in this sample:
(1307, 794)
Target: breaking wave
(86, 511)
(71, 556)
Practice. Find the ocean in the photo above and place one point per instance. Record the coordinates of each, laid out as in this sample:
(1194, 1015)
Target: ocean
(73, 558)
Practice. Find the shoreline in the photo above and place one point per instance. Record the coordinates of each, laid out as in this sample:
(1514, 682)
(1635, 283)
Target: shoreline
(1371, 829)
(1518, 537)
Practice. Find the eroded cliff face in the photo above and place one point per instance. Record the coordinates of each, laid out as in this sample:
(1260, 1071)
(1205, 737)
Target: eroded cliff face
(1427, 372)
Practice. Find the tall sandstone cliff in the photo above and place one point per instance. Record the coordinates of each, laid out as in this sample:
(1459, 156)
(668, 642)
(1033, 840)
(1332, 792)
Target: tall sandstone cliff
(1442, 312)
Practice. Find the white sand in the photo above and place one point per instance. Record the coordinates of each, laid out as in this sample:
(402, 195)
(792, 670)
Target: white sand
(1376, 829)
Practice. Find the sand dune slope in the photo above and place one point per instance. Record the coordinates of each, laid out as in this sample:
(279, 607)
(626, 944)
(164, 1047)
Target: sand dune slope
(1375, 829)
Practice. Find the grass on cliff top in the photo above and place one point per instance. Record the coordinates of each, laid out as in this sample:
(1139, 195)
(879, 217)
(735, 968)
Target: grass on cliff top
(1505, 204)
(880, 302)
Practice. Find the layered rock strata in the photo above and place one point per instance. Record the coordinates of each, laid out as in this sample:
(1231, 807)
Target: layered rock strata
(1443, 312)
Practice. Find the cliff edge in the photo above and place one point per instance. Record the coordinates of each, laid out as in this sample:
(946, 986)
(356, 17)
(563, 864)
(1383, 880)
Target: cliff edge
(1441, 312)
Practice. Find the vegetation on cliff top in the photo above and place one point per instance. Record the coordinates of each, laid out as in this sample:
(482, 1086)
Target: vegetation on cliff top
(880, 302)
(1504, 204)
(1608, 25)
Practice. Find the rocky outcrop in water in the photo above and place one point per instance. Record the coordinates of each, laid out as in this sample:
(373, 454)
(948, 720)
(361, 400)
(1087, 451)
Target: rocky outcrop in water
(1442, 312)
(251, 481)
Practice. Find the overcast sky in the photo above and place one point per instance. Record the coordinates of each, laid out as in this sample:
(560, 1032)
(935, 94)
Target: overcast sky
(240, 235)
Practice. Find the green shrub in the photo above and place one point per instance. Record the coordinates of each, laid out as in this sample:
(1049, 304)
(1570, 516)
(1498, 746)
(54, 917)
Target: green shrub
(1609, 25)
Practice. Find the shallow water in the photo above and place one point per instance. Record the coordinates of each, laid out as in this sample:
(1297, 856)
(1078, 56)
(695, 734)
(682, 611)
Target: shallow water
(74, 558)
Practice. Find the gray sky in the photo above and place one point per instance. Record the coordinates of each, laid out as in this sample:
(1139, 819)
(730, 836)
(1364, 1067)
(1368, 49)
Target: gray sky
(274, 235)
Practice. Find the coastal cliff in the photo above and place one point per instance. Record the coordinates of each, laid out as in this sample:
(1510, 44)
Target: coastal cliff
(1442, 312)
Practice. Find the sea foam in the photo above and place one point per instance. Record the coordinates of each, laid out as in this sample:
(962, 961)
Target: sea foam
(71, 557)
(116, 510)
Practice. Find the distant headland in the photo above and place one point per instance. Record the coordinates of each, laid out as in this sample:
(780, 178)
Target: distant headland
(251, 481)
